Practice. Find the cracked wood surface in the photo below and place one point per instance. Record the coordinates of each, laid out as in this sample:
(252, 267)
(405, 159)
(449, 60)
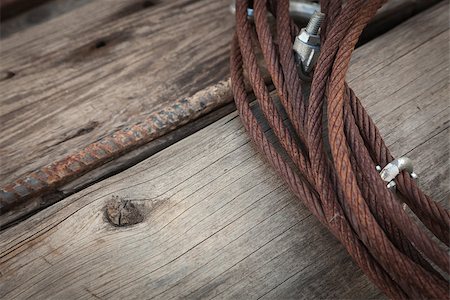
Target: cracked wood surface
(218, 223)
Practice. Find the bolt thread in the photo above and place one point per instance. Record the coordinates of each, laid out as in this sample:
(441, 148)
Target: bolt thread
(315, 22)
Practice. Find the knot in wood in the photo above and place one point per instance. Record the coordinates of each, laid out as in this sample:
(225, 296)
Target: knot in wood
(121, 212)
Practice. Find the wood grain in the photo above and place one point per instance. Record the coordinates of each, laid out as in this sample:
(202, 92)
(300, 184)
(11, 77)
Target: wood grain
(392, 14)
(218, 223)
(44, 12)
(110, 60)
(11, 8)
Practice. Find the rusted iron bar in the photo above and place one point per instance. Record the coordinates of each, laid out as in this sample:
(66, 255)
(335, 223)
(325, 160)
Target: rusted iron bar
(50, 177)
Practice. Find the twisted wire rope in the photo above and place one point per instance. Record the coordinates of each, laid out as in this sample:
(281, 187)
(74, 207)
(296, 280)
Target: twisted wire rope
(340, 186)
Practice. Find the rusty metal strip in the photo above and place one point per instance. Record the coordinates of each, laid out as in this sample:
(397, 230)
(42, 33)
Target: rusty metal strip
(156, 124)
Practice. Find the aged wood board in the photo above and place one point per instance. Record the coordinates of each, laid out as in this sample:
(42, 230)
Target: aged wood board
(108, 61)
(36, 15)
(10, 8)
(217, 222)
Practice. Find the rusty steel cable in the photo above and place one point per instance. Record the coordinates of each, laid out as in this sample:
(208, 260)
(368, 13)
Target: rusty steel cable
(332, 167)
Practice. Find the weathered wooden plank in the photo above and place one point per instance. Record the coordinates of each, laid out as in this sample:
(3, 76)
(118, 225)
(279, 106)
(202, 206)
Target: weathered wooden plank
(218, 222)
(391, 14)
(110, 60)
(42, 13)
(11, 8)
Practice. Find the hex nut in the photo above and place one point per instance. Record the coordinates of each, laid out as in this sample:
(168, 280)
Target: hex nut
(307, 38)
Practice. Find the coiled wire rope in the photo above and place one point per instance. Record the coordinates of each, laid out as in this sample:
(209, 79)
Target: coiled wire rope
(340, 186)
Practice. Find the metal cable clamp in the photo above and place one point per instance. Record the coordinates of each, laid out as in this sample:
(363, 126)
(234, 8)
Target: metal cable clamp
(307, 44)
(392, 169)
